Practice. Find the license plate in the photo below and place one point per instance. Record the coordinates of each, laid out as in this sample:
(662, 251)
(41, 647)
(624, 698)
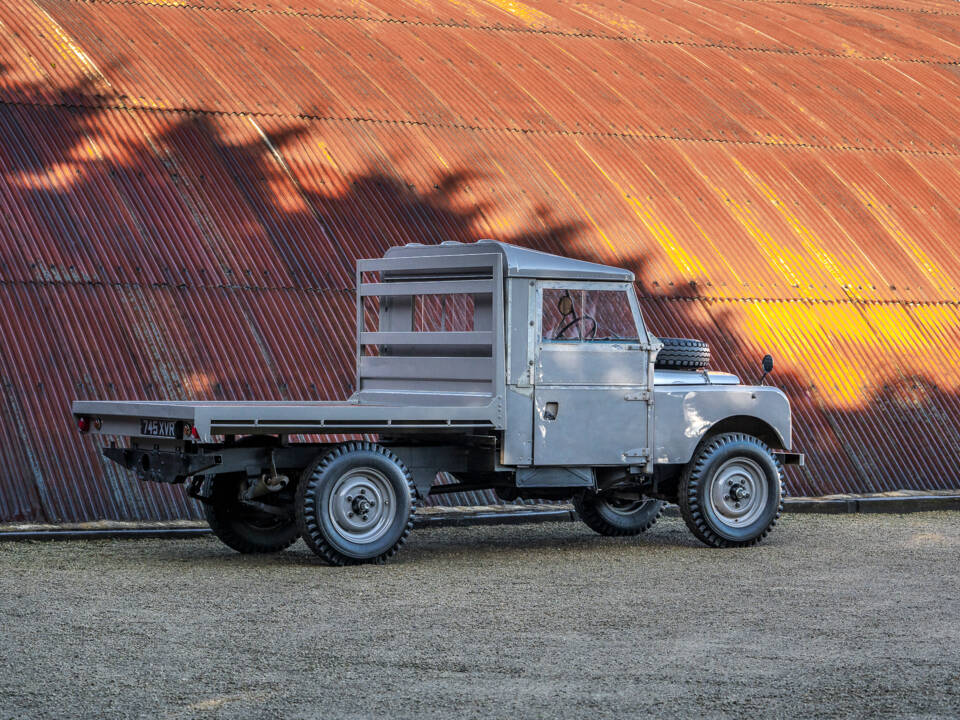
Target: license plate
(159, 428)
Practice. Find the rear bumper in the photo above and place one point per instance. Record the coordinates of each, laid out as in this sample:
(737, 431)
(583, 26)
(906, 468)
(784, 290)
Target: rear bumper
(789, 458)
(160, 465)
(176, 465)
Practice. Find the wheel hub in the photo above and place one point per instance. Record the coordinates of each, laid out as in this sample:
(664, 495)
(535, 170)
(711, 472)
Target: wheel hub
(738, 492)
(362, 505)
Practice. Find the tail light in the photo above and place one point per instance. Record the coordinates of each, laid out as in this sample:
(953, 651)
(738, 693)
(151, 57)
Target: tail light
(84, 424)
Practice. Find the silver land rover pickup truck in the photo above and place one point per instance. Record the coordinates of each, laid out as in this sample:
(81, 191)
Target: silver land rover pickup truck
(508, 369)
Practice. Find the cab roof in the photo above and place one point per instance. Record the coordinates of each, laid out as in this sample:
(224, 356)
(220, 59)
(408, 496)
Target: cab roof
(520, 261)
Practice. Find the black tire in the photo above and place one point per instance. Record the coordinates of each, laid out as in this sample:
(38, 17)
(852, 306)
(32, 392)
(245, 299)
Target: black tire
(331, 521)
(709, 498)
(245, 529)
(612, 516)
(683, 354)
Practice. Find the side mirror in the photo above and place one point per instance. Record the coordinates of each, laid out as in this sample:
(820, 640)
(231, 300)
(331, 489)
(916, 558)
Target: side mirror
(767, 365)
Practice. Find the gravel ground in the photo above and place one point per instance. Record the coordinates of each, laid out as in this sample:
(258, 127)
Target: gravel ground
(834, 616)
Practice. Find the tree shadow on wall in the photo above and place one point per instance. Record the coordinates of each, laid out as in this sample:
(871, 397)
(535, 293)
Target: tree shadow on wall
(183, 256)
(212, 256)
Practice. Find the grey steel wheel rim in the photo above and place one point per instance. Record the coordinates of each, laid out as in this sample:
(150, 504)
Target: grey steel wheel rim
(738, 493)
(362, 505)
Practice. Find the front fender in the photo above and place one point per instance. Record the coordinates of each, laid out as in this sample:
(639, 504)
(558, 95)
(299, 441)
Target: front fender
(684, 414)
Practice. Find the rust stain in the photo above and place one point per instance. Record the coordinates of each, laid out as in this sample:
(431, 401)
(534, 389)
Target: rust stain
(917, 254)
(811, 242)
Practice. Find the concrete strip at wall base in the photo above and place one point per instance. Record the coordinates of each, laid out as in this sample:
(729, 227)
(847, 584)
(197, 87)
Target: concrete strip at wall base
(894, 502)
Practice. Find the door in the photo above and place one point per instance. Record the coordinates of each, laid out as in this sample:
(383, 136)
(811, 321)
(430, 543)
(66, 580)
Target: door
(592, 376)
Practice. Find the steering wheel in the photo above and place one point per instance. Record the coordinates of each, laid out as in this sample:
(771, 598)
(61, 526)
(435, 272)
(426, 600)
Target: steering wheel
(566, 308)
(578, 321)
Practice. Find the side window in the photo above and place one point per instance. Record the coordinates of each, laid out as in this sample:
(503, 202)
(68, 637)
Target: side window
(579, 315)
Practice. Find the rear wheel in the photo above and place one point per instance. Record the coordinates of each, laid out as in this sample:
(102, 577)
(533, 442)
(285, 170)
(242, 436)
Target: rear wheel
(356, 504)
(244, 527)
(617, 513)
(731, 493)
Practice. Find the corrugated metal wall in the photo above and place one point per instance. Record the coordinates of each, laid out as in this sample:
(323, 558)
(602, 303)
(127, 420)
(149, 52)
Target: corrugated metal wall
(185, 188)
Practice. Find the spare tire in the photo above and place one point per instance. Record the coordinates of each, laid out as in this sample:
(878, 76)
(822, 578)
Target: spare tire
(683, 354)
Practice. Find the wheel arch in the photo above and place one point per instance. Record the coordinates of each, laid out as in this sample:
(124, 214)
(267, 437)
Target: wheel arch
(749, 425)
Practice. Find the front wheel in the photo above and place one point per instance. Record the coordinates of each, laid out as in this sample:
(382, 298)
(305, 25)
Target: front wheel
(731, 493)
(617, 513)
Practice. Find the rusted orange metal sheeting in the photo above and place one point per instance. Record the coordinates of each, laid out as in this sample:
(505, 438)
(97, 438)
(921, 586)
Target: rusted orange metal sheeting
(186, 188)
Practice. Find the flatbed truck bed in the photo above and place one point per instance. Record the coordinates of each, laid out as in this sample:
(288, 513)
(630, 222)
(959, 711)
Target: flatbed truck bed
(211, 419)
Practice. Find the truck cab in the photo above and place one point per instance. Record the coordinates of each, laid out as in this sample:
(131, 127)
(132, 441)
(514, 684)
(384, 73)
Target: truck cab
(530, 374)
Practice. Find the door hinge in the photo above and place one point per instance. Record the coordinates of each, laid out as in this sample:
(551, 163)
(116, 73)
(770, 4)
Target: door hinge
(642, 397)
(642, 453)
